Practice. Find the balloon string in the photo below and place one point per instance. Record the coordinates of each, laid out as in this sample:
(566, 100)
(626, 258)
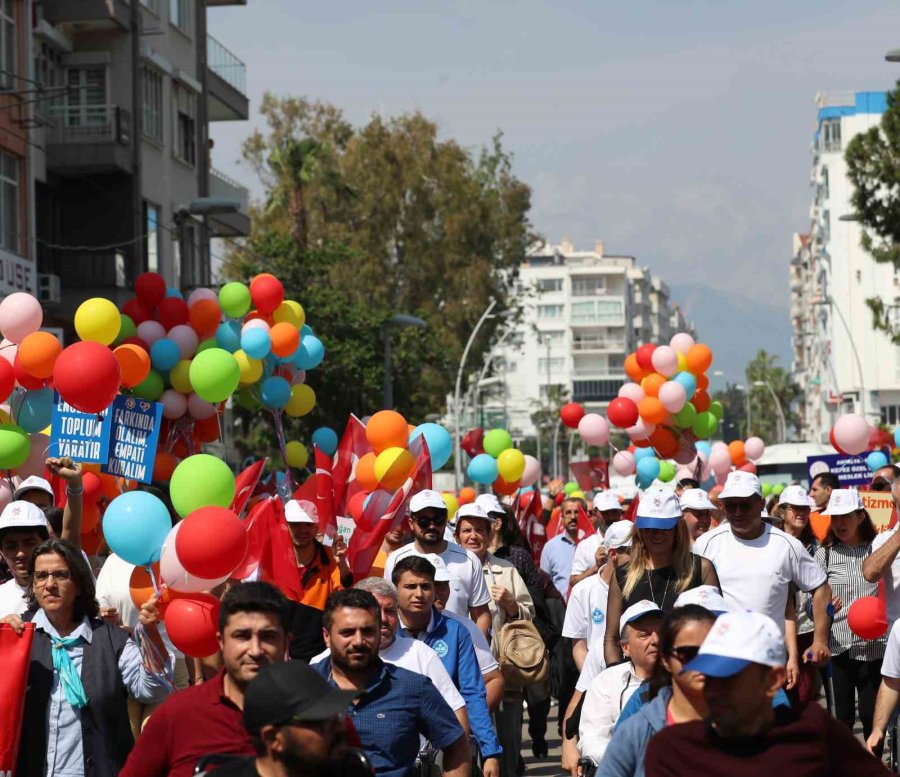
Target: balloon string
(282, 445)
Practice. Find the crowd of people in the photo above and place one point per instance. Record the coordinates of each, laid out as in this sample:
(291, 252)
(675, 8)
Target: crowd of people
(691, 631)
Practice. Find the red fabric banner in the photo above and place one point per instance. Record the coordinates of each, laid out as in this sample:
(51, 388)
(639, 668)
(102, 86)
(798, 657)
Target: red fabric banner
(245, 485)
(270, 550)
(325, 493)
(592, 474)
(15, 656)
(352, 447)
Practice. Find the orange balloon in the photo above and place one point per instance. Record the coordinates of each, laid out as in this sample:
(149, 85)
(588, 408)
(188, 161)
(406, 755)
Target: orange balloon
(163, 466)
(134, 363)
(701, 401)
(90, 517)
(466, 495)
(205, 316)
(365, 472)
(140, 586)
(634, 370)
(285, 338)
(738, 454)
(109, 487)
(38, 352)
(652, 384)
(387, 429)
(821, 525)
(505, 489)
(207, 430)
(698, 358)
(702, 382)
(665, 442)
(95, 468)
(652, 410)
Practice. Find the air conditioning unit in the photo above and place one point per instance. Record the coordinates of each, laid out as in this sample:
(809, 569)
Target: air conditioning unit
(49, 288)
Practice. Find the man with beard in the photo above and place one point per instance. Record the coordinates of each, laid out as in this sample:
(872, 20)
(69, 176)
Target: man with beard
(558, 553)
(394, 706)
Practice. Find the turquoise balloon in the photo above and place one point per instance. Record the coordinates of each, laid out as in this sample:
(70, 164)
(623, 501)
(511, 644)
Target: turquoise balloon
(33, 410)
(688, 381)
(275, 393)
(483, 469)
(326, 439)
(648, 470)
(310, 353)
(644, 453)
(135, 526)
(228, 336)
(875, 460)
(438, 440)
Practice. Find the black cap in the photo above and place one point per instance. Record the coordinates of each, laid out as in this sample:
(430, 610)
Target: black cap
(291, 691)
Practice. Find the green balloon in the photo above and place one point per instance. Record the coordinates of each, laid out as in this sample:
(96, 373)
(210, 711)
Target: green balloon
(767, 489)
(705, 425)
(666, 471)
(151, 387)
(247, 401)
(234, 299)
(496, 441)
(684, 418)
(777, 489)
(215, 375)
(207, 344)
(126, 329)
(201, 481)
(14, 446)
(570, 488)
(717, 410)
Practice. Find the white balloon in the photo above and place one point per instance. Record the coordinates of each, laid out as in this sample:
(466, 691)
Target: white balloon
(174, 575)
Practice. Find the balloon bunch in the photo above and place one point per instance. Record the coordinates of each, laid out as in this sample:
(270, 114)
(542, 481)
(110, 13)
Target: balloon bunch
(722, 458)
(504, 467)
(593, 428)
(772, 489)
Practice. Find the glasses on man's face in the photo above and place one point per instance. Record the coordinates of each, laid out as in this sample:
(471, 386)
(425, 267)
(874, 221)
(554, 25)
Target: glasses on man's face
(685, 653)
(42, 576)
(426, 522)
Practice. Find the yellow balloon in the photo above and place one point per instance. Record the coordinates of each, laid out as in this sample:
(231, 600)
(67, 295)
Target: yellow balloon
(297, 455)
(5, 418)
(452, 504)
(511, 465)
(98, 320)
(251, 369)
(180, 377)
(290, 312)
(682, 362)
(392, 467)
(302, 401)
(577, 495)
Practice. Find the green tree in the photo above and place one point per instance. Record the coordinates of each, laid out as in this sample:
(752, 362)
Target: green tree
(734, 417)
(763, 372)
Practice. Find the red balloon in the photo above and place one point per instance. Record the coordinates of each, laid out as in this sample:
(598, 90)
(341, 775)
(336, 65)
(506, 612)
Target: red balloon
(87, 376)
(266, 292)
(25, 379)
(644, 356)
(571, 414)
(150, 289)
(7, 378)
(867, 617)
(93, 488)
(622, 412)
(172, 311)
(207, 430)
(211, 542)
(192, 623)
(137, 312)
(355, 505)
(834, 443)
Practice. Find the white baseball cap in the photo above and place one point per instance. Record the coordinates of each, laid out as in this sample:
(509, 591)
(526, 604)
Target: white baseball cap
(843, 501)
(738, 639)
(606, 500)
(441, 573)
(23, 515)
(795, 496)
(618, 534)
(427, 498)
(33, 483)
(658, 509)
(706, 596)
(471, 510)
(636, 612)
(489, 503)
(301, 512)
(695, 499)
(741, 484)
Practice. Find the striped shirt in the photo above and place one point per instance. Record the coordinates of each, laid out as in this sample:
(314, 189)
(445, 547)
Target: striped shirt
(843, 565)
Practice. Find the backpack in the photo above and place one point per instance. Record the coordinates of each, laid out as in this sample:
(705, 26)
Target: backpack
(522, 654)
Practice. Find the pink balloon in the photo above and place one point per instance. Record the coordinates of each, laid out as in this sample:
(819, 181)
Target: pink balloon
(5, 494)
(8, 350)
(200, 409)
(197, 294)
(851, 432)
(20, 315)
(151, 331)
(682, 342)
(748, 466)
(720, 462)
(255, 323)
(174, 404)
(720, 446)
(632, 391)
(532, 472)
(754, 448)
(665, 361)
(174, 575)
(594, 429)
(641, 430)
(299, 378)
(186, 339)
(672, 395)
(37, 455)
(623, 463)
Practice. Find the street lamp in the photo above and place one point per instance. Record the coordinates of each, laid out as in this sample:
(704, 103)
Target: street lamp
(781, 420)
(892, 56)
(828, 300)
(400, 319)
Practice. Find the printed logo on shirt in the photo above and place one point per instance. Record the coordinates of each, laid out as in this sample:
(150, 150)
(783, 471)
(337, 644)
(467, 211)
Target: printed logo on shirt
(379, 715)
(440, 647)
(597, 616)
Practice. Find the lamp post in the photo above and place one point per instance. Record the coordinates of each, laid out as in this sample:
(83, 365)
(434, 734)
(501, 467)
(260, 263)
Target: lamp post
(400, 319)
(203, 207)
(782, 437)
(828, 300)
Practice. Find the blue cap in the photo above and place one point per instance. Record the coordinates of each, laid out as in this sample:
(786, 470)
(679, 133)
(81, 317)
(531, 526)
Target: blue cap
(717, 666)
(656, 523)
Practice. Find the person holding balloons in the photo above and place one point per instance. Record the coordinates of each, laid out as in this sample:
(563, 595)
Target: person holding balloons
(855, 661)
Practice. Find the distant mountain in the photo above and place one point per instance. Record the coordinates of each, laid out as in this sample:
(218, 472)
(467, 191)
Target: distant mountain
(735, 327)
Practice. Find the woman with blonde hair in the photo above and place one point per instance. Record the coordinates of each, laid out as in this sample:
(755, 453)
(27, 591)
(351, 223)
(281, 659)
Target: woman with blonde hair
(661, 565)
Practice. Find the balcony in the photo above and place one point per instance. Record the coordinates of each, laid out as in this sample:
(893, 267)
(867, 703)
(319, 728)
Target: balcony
(88, 139)
(226, 79)
(211, 3)
(598, 344)
(87, 15)
(229, 224)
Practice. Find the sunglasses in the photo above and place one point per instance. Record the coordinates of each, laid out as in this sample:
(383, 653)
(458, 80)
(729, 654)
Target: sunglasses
(880, 484)
(685, 653)
(426, 521)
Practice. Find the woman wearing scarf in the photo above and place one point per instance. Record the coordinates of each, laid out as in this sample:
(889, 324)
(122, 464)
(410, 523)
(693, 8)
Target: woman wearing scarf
(82, 670)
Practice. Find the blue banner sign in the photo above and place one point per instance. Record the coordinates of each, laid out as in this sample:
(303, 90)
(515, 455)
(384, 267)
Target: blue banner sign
(80, 436)
(850, 470)
(133, 438)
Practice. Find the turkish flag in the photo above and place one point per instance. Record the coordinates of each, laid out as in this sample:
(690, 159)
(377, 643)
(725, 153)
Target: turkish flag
(325, 493)
(270, 550)
(245, 484)
(15, 657)
(352, 447)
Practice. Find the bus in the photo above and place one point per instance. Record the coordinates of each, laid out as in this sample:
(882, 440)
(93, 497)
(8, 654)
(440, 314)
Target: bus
(785, 463)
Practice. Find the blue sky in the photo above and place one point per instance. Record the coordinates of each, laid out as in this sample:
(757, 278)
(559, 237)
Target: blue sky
(678, 132)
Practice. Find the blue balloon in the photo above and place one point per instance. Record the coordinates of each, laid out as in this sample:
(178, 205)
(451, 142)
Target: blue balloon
(165, 354)
(689, 382)
(275, 393)
(305, 330)
(33, 410)
(171, 291)
(310, 353)
(644, 453)
(483, 468)
(439, 442)
(135, 526)
(255, 343)
(647, 470)
(326, 439)
(703, 447)
(897, 437)
(228, 336)
(876, 460)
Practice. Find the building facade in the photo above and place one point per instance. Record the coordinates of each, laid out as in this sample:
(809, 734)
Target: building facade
(840, 361)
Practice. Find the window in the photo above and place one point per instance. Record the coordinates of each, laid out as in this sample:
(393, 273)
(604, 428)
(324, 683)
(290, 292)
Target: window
(552, 337)
(9, 202)
(555, 363)
(550, 284)
(86, 97)
(185, 123)
(831, 134)
(890, 415)
(8, 44)
(151, 241)
(50, 75)
(179, 14)
(152, 5)
(588, 286)
(826, 191)
(550, 311)
(556, 389)
(595, 390)
(152, 96)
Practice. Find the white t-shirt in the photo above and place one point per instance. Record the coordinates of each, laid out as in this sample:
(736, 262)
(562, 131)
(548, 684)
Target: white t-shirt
(593, 665)
(754, 574)
(585, 553)
(12, 599)
(891, 578)
(890, 667)
(467, 586)
(607, 694)
(586, 611)
(486, 661)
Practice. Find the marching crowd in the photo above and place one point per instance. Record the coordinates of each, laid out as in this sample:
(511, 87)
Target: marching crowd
(696, 631)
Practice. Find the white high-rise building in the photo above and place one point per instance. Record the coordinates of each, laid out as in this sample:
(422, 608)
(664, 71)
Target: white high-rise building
(840, 361)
